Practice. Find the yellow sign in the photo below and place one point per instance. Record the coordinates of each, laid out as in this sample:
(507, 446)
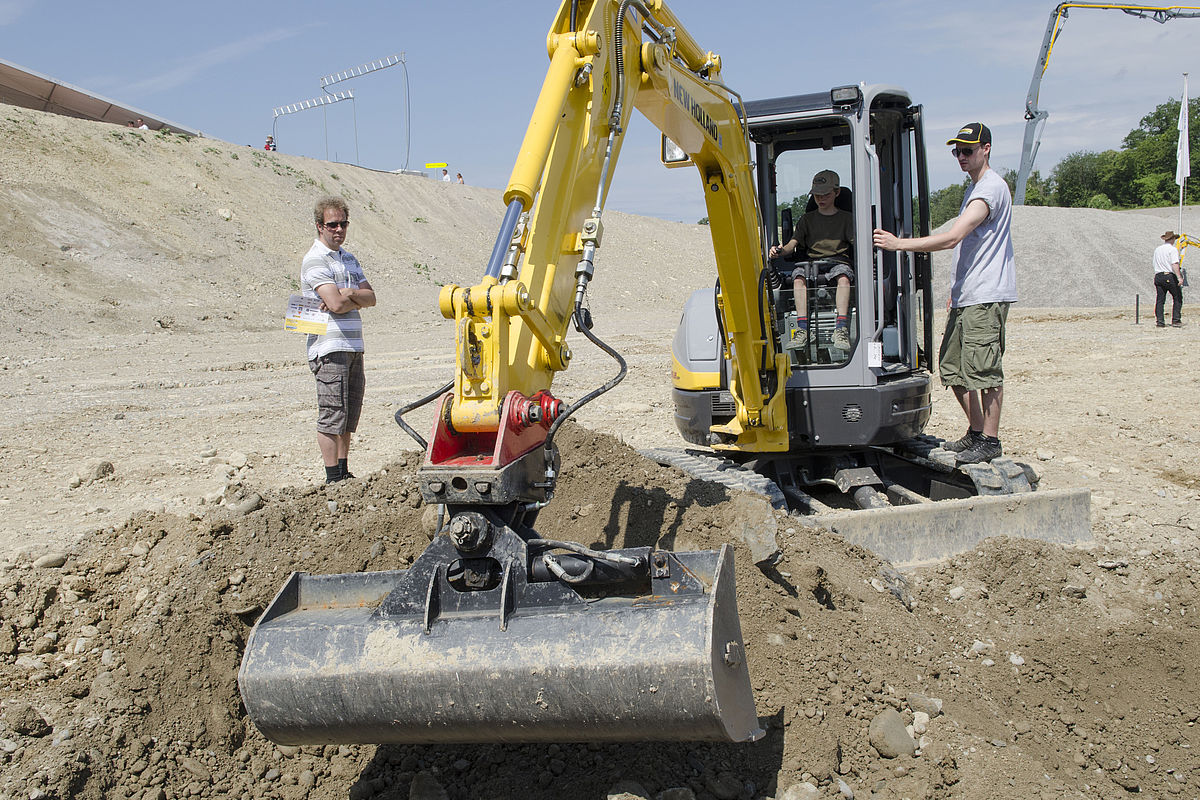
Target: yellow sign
(304, 315)
(434, 164)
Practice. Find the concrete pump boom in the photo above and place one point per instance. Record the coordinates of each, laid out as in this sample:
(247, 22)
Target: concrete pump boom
(1036, 117)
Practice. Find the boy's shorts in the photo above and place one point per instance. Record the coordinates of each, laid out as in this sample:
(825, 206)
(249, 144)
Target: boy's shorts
(341, 382)
(973, 346)
(831, 274)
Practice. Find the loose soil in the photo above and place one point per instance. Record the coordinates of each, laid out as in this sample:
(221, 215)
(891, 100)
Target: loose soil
(160, 482)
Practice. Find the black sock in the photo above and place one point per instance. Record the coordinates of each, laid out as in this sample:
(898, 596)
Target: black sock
(342, 468)
(333, 473)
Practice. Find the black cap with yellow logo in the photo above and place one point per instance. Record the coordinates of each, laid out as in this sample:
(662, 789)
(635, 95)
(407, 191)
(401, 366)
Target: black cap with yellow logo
(972, 133)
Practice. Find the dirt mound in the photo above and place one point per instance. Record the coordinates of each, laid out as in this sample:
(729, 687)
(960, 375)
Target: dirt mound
(150, 373)
(1011, 665)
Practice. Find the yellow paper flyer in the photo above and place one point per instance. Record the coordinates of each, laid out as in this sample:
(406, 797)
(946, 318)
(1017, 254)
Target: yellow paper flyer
(304, 315)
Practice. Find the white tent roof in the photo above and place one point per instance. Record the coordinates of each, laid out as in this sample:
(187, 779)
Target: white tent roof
(28, 89)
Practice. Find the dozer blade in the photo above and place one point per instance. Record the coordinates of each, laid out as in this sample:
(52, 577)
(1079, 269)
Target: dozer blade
(405, 657)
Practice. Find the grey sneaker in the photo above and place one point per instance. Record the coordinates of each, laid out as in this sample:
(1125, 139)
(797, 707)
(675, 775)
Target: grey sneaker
(959, 445)
(799, 340)
(979, 452)
(841, 338)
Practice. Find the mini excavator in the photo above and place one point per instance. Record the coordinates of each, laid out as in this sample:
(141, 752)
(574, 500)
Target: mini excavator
(496, 634)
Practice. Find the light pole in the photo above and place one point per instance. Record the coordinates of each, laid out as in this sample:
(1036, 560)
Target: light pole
(364, 69)
(305, 105)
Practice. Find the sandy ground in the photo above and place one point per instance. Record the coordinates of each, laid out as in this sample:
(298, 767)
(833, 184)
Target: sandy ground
(149, 390)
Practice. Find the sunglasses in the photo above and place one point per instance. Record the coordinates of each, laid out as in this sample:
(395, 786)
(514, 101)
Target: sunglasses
(963, 151)
(341, 223)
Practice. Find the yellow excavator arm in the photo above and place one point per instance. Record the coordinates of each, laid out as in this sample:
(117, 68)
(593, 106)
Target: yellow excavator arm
(606, 58)
(496, 634)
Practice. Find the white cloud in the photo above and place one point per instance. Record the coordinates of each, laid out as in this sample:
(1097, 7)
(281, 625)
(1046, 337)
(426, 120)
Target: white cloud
(11, 10)
(191, 67)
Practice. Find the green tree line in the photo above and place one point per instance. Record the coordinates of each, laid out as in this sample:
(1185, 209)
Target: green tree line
(1141, 174)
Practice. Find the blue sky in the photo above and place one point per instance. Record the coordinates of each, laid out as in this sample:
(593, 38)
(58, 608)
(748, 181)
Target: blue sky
(474, 70)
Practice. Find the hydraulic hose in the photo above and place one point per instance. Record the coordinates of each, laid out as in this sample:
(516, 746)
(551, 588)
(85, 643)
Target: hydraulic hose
(417, 404)
(587, 398)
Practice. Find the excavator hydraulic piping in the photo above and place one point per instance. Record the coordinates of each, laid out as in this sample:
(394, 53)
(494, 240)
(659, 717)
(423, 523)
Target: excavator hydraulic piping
(507, 226)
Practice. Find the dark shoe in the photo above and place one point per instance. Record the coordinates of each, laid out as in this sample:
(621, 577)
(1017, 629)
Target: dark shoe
(965, 443)
(1159, 325)
(980, 452)
(1176, 324)
(337, 478)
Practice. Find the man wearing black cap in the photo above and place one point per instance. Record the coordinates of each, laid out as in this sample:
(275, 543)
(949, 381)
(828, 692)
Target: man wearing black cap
(1167, 279)
(984, 286)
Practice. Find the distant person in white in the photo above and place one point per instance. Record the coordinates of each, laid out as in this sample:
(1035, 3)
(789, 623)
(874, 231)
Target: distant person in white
(1167, 278)
(985, 284)
(445, 176)
(333, 274)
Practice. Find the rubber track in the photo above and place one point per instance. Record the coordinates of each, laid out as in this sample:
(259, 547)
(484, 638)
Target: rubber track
(1000, 476)
(707, 466)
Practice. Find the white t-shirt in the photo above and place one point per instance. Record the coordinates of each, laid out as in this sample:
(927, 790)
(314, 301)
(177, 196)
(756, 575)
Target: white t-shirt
(983, 269)
(1165, 256)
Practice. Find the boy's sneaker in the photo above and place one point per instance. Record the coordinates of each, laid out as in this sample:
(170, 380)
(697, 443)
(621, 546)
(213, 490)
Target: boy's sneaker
(981, 451)
(841, 338)
(799, 339)
(965, 443)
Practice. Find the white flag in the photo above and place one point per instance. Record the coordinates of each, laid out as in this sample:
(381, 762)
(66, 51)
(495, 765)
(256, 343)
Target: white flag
(1183, 166)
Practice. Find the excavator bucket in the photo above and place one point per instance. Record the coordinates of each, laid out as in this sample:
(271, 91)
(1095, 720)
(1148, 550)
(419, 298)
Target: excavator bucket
(519, 644)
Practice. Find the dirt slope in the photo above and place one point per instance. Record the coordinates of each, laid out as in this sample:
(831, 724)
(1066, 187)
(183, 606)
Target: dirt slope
(152, 344)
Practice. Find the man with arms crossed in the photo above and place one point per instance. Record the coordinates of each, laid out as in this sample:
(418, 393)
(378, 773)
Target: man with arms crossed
(985, 284)
(332, 274)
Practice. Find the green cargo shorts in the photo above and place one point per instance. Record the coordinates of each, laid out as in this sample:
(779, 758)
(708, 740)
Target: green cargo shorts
(973, 346)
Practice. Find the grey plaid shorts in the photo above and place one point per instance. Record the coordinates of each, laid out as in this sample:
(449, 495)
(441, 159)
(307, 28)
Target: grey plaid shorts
(341, 382)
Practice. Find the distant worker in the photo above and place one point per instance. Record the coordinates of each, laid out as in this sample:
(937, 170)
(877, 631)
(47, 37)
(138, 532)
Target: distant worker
(445, 176)
(141, 125)
(270, 145)
(459, 179)
(331, 273)
(1167, 278)
(825, 233)
(985, 284)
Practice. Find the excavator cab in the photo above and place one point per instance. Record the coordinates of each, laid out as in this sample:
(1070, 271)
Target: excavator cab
(857, 327)
(855, 324)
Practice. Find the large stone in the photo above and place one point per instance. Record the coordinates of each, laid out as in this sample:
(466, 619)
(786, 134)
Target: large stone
(677, 793)
(801, 791)
(929, 705)
(888, 735)
(426, 787)
(25, 720)
(755, 524)
(51, 561)
(627, 790)
(95, 470)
